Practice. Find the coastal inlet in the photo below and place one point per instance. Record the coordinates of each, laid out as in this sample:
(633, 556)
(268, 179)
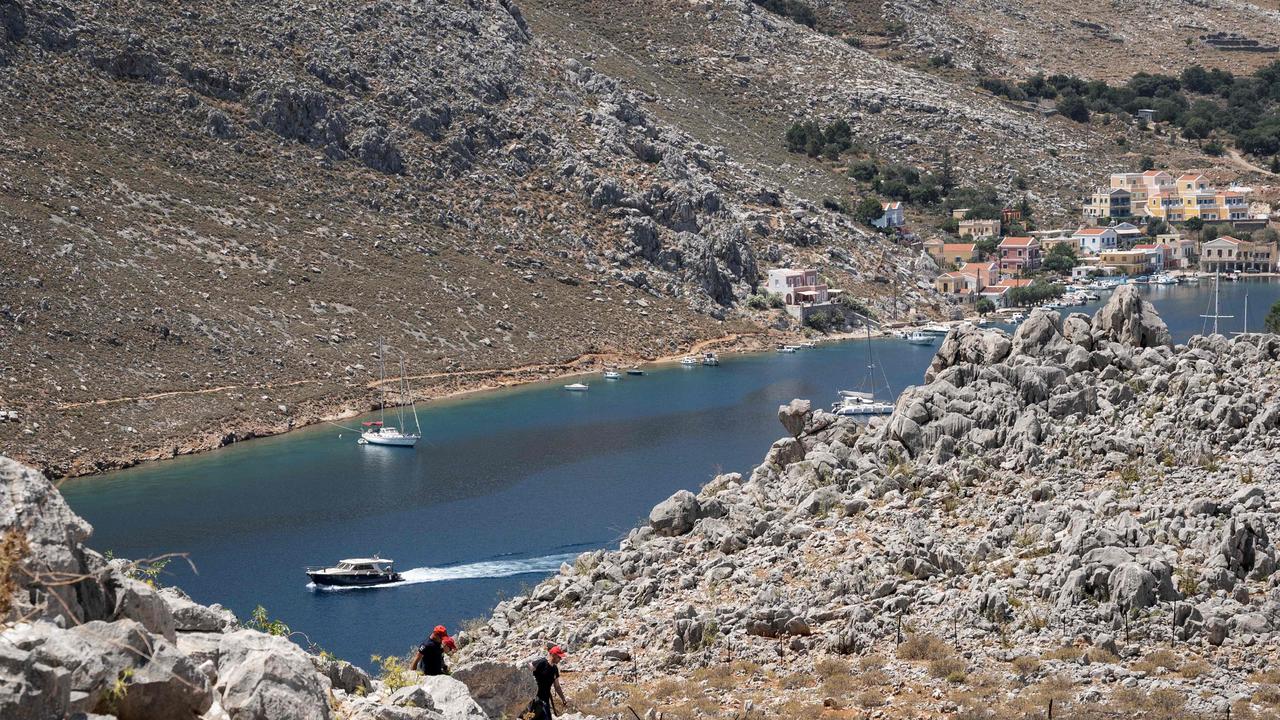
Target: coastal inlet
(501, 489)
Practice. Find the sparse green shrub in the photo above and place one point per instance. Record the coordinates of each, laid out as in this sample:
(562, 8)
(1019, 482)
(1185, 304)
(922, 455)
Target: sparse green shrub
(262, 623)
(394, 672)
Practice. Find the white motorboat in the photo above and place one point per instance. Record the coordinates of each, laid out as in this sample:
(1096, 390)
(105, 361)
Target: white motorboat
(935, 329)
(635, 371)
(355, 572)
(689, 361)
(612, 374)
(709, 358)
(1017, 318)
(378, 432)
(809, 344)
(577, 387)
(1164, 279)
(920, 338)
(786, 348)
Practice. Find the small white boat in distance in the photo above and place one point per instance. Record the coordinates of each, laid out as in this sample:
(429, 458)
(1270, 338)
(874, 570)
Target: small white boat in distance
(577, 387)
(612, 374)
(919, 338)
(809, 344)
(689, 361)
(635, 371)
(935, 329)
(786, 348)
(378, 432)
(1164, 279)
(709, 358)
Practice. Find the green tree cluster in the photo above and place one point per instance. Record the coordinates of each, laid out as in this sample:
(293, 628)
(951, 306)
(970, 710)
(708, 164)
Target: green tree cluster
(1061, 258)
(813, 139)
(1036, 293)
(1200, 103)
(794, 9)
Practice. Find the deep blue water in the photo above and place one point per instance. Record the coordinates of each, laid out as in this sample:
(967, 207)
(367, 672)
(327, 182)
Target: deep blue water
(503, 487)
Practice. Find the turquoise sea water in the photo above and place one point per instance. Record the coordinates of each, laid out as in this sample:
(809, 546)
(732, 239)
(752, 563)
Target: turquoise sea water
(504, 487)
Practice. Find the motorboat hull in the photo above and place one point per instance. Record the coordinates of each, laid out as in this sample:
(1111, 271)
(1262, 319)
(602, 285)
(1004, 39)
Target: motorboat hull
(363, 580)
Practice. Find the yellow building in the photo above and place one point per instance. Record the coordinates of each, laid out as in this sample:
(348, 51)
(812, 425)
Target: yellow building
(1127, 262)
(1193, 197)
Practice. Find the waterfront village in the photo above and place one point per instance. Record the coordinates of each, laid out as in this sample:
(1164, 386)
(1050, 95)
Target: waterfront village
(1144, 227)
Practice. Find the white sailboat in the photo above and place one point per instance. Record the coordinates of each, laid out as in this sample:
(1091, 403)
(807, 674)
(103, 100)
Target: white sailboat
(862, 401)
(1216, 315)
(378, 432)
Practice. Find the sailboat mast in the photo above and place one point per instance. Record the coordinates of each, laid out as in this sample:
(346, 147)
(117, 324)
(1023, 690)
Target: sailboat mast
(382, 383)
(404, 384)
(1215, 301)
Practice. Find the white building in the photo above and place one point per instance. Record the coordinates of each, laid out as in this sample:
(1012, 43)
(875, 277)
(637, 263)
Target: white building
(1092, 241)
(893, 216)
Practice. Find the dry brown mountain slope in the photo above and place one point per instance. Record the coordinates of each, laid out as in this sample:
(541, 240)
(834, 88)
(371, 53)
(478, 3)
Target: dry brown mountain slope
(735, 75)
(210, 215)
(1101, 39)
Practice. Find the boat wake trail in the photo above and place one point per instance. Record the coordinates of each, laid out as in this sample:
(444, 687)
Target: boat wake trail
(469, 571)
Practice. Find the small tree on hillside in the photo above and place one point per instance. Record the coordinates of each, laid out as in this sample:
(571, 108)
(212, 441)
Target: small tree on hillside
(1061, 259)
(868, 209)
(1272, 323)
(1146, 163)
(984, 306)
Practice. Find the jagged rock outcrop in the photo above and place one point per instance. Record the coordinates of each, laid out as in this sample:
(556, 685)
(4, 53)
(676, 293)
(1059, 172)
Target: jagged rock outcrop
(1080, 485)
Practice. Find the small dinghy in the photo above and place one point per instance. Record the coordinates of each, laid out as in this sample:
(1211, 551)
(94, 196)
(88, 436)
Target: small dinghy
(577, 387)
(635, 371)
(612, 374)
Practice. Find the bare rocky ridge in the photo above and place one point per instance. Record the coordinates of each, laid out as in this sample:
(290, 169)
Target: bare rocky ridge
(1092, 39)
(1079, 511)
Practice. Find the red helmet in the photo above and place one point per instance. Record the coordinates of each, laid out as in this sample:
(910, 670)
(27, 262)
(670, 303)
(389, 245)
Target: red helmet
(449, 644)
(440, 629)
(557, 651)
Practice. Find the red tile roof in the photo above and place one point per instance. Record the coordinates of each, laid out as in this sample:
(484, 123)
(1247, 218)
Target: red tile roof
(1016, 241)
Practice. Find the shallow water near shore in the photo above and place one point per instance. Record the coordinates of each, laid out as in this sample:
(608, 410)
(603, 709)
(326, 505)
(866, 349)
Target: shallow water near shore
(504, 487)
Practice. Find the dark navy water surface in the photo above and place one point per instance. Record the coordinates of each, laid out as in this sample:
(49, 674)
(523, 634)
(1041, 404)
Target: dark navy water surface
(504, 486)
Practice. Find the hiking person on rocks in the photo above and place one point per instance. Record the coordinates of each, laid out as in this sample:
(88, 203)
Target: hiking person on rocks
(546, 671)
(430, 655)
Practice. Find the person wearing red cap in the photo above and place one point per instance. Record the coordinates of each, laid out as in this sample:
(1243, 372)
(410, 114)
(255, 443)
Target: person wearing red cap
(546, 671)
(430, 655)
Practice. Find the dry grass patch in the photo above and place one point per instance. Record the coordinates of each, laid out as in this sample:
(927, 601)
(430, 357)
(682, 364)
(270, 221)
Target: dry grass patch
(872, 662)
(923, 647)
(870, 699)
(1157, 660)
(1066, 653)
(951, 668)
(1025, 666)
(874, 678)
(1193, 669)
(1161, 704)
(1270, 676)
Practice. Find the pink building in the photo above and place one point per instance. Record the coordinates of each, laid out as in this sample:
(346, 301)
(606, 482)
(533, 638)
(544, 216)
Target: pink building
(1019, 255)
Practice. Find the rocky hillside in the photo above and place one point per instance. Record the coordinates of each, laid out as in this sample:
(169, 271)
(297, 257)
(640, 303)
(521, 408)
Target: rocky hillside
(211, 215)
(1078, 513)
(1094, 38)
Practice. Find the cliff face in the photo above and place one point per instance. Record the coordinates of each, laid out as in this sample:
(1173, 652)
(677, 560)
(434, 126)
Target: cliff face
(1079, 511)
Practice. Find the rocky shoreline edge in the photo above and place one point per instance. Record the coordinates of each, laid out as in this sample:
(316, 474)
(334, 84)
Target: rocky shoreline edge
(444, 386)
